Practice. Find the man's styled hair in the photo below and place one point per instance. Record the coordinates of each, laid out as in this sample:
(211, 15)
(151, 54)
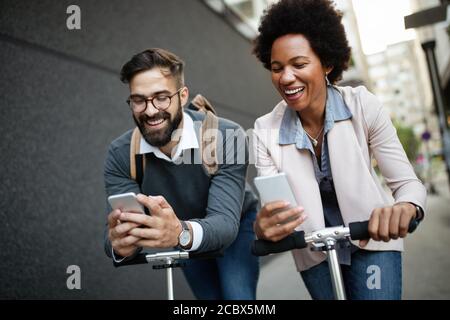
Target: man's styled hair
(151, 58)
(317, 20)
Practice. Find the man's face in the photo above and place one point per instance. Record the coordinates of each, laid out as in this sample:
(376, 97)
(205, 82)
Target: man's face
(157, 126)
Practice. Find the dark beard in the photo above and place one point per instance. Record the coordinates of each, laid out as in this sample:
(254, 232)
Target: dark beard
(159, 139)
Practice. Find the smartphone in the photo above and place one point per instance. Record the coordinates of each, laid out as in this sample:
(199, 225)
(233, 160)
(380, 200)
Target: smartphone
(126, 202)
(275, 188)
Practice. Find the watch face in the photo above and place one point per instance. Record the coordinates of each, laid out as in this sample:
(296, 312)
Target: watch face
(185, 238)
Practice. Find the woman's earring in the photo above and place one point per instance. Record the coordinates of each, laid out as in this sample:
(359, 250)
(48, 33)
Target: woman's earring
(326, 79)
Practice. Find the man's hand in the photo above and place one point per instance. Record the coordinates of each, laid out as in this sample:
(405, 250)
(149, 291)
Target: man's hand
(122, 243)
(159, 230)
(270, 225)
(390, 222)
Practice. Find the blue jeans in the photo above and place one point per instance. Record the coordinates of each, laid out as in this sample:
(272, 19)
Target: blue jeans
(231, 277)
(372, 275)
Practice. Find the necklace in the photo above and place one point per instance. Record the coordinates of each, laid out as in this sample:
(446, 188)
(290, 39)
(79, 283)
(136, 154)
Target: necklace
(314, 140)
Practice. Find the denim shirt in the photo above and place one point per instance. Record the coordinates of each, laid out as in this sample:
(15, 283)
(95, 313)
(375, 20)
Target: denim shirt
(292, 132)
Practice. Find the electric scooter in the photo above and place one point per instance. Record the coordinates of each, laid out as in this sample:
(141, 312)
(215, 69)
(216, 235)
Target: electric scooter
(325, 240)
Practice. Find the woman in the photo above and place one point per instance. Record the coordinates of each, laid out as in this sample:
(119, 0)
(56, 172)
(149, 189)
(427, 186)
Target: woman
(324, 138)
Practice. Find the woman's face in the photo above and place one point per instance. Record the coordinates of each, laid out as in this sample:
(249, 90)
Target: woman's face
(297, 72)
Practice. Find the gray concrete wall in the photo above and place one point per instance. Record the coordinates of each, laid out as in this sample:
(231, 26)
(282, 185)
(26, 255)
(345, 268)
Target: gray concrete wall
(61, 103)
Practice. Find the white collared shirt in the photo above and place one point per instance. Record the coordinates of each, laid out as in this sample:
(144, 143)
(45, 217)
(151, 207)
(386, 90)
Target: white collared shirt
(187, 141)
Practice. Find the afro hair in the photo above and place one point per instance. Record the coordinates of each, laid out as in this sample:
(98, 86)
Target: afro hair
(318, 21)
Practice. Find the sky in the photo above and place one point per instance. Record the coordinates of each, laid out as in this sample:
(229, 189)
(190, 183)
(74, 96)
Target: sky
(381, 23)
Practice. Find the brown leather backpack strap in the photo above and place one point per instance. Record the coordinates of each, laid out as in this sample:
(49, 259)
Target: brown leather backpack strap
(202, 104)
(210, 127)
(135, 144)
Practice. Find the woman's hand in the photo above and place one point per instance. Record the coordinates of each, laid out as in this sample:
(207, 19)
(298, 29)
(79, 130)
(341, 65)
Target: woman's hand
(390, 222)
(271, 222)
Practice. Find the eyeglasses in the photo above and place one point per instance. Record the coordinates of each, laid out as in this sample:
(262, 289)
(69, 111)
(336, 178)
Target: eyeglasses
(161, 102)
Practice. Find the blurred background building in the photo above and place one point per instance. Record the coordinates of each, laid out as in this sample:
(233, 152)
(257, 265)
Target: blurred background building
(358, 72)
(441, 33)
(434, 37)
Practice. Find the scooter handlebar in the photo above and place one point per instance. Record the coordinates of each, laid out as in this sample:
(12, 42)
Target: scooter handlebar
(295, 240)
(141, 258)
(360, 230)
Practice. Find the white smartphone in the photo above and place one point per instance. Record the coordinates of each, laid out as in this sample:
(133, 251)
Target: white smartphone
(126, 202)
(275, 188)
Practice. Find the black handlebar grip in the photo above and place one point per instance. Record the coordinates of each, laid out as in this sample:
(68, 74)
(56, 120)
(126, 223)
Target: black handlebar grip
(360, 230)
(293, 241)
(139, 259)
(206, 255)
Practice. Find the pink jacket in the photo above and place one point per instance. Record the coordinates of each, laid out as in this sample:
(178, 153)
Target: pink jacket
(352, 144)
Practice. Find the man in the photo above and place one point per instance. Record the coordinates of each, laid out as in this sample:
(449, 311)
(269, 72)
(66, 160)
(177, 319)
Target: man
(176, 189)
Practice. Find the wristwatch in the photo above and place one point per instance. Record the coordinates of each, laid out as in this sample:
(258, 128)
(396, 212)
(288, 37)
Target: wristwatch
(419, 213)
(184, 238)
(417, 219)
